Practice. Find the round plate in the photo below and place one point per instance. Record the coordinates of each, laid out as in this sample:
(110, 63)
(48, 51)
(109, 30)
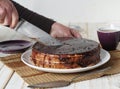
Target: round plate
(104, 55)
(14, 46)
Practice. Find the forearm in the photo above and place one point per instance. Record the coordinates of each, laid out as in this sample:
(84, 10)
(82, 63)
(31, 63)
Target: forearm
(34, 18)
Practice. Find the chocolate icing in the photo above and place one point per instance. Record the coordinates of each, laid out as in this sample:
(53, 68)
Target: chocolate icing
(70, 46)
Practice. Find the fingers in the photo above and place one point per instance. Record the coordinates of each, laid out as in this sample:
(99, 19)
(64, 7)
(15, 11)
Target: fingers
(67, 34)
(54, 35)
(72, 33)
(15, 18)
(75, 33)
(8, 18)
(2, 14)
(5, 14)
(8, 14)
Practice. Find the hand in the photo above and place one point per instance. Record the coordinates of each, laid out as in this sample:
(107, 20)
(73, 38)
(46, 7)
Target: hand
(8, 14)
(59, 30)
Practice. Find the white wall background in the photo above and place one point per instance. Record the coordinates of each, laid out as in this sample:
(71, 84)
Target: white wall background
(76, 10)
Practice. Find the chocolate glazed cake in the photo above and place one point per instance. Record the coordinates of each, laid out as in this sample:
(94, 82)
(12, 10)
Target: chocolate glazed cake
(72, 54)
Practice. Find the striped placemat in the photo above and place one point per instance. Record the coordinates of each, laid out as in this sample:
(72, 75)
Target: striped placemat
(33, 76)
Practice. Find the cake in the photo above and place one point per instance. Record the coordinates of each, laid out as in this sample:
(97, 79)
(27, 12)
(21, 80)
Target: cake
(73, 53)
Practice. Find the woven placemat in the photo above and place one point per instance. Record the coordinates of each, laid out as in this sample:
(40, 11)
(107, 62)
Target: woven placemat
(33, 76)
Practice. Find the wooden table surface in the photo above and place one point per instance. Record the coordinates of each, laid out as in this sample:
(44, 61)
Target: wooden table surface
(10, 80)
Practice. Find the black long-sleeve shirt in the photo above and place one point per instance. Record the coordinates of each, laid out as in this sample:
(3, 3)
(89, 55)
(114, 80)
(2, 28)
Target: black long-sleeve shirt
(34, 18)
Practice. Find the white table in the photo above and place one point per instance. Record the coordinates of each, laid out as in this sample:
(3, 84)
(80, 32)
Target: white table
(11, 80)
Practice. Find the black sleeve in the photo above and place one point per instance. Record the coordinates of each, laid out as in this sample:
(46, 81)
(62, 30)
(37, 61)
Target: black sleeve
(34, 18)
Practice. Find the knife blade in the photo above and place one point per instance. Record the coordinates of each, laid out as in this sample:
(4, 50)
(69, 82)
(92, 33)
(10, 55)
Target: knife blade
(36, 33)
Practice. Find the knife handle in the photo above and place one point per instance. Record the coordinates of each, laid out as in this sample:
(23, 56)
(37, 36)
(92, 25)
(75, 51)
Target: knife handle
(34, 18)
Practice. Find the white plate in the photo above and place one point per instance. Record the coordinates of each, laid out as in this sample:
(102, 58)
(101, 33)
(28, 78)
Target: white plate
(104, 55)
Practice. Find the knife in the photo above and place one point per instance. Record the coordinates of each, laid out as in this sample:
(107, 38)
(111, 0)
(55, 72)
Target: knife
(62, 83)
(32, 20)
(37, 34)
